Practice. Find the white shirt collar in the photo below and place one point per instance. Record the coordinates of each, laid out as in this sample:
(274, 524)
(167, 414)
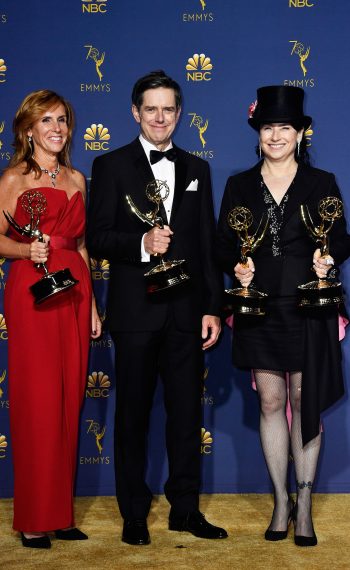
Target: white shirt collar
(147, 146)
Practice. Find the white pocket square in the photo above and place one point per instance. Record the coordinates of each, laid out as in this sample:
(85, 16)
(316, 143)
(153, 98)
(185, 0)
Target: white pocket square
(193, 185)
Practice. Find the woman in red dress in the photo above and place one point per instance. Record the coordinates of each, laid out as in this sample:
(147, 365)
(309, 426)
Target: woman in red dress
(48, 342)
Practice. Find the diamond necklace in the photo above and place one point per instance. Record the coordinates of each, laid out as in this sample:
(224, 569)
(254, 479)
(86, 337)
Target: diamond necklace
(52, 174)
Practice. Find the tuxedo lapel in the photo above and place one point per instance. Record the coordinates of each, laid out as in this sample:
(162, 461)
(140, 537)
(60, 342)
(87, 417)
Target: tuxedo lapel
(180, 182)
(142, 165)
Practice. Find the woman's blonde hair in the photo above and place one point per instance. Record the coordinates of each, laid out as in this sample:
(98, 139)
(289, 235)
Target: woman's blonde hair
(31, 110)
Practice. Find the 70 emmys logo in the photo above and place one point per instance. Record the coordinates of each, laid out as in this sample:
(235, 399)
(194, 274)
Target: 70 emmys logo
(198, 122)
(3, 156)
(98, 432)
(199, 68)
(2, 261)
(201, 15)
(98, 59)
(2, 126)
(2, 379)
(302, 52)
(94, 6)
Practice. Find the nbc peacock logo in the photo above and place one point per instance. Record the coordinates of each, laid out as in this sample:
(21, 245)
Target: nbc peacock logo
(3, 69)
(99, 269)
(206, 442)
(3, 446)
(3, 328)
(98, 385)
(300, 4)
(308, 136)
(96, 137)
(199, 68)
(94, 6)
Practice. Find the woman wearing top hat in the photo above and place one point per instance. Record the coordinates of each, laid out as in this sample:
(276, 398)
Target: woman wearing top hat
(294, 352)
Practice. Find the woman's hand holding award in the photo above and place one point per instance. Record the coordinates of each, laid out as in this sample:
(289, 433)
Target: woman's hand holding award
(34, 203)
(247, 300)
(328, 290)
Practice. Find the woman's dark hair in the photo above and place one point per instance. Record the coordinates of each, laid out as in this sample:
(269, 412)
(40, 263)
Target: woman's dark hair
(153, 80)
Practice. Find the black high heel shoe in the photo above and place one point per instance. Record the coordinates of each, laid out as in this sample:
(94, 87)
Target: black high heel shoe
(299, 539)
(71, 534)
(274, 535)
(37, 542)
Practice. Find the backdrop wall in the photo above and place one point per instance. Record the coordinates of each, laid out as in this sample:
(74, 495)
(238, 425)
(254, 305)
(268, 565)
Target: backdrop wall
(220, 51)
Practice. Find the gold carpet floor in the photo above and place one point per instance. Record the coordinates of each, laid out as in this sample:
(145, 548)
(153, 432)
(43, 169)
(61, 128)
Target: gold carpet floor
(244, 516)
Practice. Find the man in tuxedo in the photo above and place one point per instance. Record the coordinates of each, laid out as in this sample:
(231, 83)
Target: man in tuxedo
(165, 332)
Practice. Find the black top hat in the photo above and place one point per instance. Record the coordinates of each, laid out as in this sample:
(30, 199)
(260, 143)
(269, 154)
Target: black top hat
(279, 104)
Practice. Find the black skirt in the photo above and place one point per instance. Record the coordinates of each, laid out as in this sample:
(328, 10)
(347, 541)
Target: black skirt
(272, 342)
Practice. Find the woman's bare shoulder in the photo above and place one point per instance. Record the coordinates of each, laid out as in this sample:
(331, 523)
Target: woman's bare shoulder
(12, 178)
(78, 178)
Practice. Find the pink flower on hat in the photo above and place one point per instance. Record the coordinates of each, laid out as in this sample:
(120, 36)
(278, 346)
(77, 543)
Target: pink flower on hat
(252, 108)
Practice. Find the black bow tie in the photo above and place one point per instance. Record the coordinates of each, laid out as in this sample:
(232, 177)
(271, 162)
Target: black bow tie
(157, 155)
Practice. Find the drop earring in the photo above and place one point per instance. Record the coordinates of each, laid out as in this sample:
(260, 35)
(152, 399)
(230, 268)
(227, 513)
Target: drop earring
(298, 149)
(260, 153)
(30, 144)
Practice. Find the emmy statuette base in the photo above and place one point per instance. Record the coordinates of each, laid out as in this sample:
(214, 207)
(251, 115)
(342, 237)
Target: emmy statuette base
(320, 293)
(51, 284)
(245, 301)
(165, 275)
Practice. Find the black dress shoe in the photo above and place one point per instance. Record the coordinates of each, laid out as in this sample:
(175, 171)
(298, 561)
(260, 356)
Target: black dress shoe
(275, 535)
(37, 542)
(196, 524)
(71, 534)
(135, 531)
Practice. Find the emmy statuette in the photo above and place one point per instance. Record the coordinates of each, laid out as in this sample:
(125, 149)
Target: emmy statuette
(326, 291)
(34, 203)
(167, 273)
(247, 300)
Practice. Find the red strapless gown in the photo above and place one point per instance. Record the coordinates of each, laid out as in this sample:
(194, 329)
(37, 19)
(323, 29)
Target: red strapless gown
(48, 354)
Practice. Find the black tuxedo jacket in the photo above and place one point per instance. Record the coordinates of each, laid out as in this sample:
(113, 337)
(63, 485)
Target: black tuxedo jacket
(115, 233)
(281, 275)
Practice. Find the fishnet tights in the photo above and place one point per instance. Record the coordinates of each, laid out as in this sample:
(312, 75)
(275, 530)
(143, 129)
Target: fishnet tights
(275, 440)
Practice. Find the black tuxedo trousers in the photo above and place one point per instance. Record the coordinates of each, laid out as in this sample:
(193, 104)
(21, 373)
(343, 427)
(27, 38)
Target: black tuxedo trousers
(177, 357)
